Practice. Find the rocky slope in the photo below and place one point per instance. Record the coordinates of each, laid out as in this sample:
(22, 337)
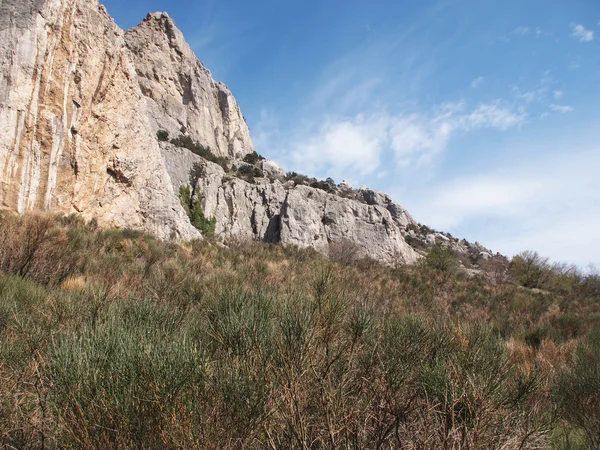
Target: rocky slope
(82, 104)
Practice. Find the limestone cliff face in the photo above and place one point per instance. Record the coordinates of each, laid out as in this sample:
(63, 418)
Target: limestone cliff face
(74, 130)
(80, 105)
(271, 210)
(180, 92)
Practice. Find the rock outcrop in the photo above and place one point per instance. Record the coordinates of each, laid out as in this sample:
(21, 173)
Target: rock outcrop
(274, 211)
(74, 130)
(81, 107)
(181, 95)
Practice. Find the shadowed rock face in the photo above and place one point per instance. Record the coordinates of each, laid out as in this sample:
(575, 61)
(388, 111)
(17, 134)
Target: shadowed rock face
(80, 105)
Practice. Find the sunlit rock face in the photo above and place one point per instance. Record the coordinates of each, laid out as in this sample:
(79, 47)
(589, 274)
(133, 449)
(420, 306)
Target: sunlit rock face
(75, 136)
(180, 92)
(81, 102)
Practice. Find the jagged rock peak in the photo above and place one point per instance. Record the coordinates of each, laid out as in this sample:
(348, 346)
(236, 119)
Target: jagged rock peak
(181, 95)
(74, 130)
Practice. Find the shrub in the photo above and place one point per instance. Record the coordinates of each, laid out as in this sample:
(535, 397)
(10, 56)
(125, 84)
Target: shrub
(162, 135)
(185, 197)
(442, 259)
(185, 141)
(298, 178)
(112, 383)
(253, 158)
(206, 226)
(195, 212)
(323, 185)
(344, 251)
(578, 389)
(257, 173)
(530, 269)
(249, 173)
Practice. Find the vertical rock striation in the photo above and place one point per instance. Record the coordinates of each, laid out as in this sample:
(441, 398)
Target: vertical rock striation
(74, 130)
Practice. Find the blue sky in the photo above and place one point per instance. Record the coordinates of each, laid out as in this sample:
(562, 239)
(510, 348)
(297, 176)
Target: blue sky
(482, 118)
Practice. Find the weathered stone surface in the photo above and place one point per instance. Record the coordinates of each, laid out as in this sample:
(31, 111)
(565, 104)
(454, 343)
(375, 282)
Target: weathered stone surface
(81, 103)
(296, 215)
(74, 132)
(314, 218)
(271, 169)
(180, 92)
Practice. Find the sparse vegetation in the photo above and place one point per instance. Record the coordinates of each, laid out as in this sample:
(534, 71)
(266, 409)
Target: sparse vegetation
(442, 259)
(113, 339)
(249, 173)
(193, 207)
(185, 141)
(253, 158)
(162, 135)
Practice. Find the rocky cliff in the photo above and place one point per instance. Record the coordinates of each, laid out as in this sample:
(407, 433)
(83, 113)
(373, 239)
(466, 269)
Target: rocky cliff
(75, 134)
(87, 113)
(180, 93)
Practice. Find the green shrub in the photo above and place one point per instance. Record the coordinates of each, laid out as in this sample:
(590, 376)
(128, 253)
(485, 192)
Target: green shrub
(442, 259)
(323, 185)
(205, 225)
(185, 141)
(125, 380)
(185, 197)
(249, 173)
(530, 269)
(577, 390)
(195, 212)
(253, 158)
(162, 135)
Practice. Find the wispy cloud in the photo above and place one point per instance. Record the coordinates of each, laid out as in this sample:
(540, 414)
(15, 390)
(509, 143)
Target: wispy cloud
(544, 205)
(352, 147)
(493, 116)
(561, 108)
(579, 32)
(557, 94)
(522, 31)
(477, 82)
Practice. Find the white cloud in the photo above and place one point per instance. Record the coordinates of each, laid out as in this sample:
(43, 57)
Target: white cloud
(352, 147)
(484, 196)
(557, 94)
(521, 31)
(342, 147)
(561, 108)
(579, 32)
(537, 94)
(546, 205)
(477, 82)
(493, 116)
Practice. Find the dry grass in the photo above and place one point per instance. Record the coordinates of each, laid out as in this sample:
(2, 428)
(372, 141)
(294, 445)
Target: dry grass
(112, 339)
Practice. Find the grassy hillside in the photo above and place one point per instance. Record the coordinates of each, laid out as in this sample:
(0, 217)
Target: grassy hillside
(112, 339)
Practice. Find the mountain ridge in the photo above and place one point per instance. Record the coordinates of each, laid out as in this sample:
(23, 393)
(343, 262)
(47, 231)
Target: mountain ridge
(104, 123)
